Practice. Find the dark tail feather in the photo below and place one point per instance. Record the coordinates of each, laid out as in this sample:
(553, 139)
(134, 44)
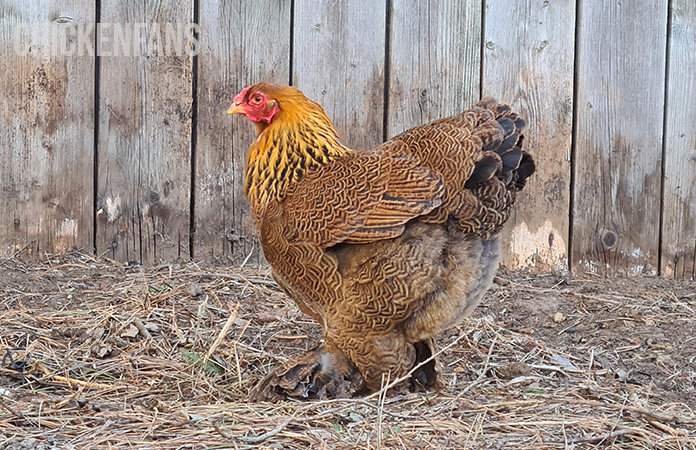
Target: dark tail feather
(525, 170)
(503, 157)
(485, 168)
(511, 159)
(518, 165)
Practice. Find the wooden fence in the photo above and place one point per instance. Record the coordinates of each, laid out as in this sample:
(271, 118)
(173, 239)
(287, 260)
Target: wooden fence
(134, 157)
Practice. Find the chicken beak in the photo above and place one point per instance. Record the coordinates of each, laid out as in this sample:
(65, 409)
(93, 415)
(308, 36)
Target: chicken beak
(235, 109)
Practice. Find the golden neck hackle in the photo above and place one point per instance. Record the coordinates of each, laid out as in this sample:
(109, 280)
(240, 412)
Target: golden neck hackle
(299, 139)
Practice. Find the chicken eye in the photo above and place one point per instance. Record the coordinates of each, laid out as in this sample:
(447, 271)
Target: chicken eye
(257, 99)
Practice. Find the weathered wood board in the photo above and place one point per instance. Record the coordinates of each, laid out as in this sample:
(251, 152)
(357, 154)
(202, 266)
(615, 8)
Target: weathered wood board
(618, 143)
(604, 122)
(46, 133)
(435, 61)
(528, 62)
(144, 151)
(339, 61)
(679, 196)
(239, 47)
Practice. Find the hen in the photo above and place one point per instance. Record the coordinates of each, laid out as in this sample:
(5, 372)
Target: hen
(385, 248)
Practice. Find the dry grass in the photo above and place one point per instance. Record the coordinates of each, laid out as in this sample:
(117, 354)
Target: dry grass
(108, 356)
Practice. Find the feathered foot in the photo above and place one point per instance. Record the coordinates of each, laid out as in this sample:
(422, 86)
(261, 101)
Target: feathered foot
(317, 374)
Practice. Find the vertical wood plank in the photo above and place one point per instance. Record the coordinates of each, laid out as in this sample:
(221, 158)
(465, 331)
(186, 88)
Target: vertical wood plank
(144, 148)
(242, 43)
(679, 202)
(46, 137)
(528, 62)
(338, 61)
(620, 108)
(435, 65)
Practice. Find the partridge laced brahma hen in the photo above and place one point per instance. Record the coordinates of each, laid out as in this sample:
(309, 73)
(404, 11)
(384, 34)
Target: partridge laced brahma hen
(385, 248)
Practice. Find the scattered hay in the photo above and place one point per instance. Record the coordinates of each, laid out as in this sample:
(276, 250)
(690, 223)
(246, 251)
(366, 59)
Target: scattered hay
(102, 355)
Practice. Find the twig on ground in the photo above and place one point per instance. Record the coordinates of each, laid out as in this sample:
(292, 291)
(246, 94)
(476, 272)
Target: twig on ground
(141, 328)
(234, 312)
(9, 408)
(642, 411)
(270, 434)
(599, 439)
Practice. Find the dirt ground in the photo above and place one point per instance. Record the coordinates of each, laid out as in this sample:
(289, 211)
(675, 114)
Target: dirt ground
(97, 354)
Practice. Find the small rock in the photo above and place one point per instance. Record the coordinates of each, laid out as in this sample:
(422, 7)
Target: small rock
(101, 350)
(264, 317)
(565, 362)
(194, 290)
(131, 331)
(513, 370)
(558, 318)
(151, 326)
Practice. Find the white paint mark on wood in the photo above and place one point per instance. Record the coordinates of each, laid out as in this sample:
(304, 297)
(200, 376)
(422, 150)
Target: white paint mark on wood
(66, 236)
(637, 265)
(543, 249)
(112, 207)
(69, 228)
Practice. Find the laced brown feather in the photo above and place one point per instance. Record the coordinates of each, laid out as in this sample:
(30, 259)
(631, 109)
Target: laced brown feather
(387, 247)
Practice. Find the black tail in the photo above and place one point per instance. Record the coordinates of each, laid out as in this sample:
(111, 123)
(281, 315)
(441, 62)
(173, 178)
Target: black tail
(504, 157)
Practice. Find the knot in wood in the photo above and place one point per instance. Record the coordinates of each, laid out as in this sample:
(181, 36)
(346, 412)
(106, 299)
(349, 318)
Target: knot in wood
(609, 239)
(154, 197)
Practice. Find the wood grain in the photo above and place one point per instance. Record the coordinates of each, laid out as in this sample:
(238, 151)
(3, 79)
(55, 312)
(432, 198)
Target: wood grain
(679, 202)
(242, 43)
(620, 95)
(144, 148)
(435, 65)
(622, 120)
(338, 61)
(46, 137)
(528, 62)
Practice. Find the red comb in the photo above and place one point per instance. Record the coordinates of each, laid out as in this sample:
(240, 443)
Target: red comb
(239, 97)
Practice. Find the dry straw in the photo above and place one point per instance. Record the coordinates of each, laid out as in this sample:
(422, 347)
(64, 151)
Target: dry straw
(101, 355)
